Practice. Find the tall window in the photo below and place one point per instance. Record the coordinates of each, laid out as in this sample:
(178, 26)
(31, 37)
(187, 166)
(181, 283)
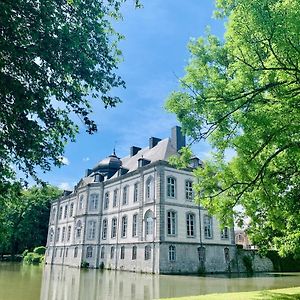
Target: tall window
(171, 187)
(226, 255)
(104, 229)
(102, 252)
(113, 227)
(225, 233)
(91, 230)
(134, 224)
(201, 253)
(67, 250)
(53, 215)
(60, 212)
(122, 255)
(190, 225)
(112, 252)
(71, 209)
(125, 195)
(189, 190)
(89, 252)
(94, 201)
(78, 229)
(115, 198)
(63, 234)
(147, 252)
(207, 227)
(172, 253)
(124, 226)
(51, 235)
(81, 202)
(69, 233)
(136, 192)
(75, 251)
(149, 222)
(66, 211)
(171, 222)
(134, 251)
(57, 234)
(106, 200)
(149, 189)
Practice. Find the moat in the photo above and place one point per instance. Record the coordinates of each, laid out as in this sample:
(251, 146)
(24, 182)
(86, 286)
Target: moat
(24, 282)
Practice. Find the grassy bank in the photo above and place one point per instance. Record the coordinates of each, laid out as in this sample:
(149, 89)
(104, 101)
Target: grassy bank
(278, 294)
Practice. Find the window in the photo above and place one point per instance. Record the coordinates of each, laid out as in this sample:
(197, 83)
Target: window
(55, 252)
(67, 250)
(94, 201)
(225, 233)
(89, 252)
(148, 188)
(124, 226)
(112, 252)
(57, 234)
(172, 253)
(102, 252)
(69, 233)
(171, 187)
(189, 190)
(113, 227)
(201, 253)
(125, 195)
(147, 252)
(60, 212)
(78, 229)
(61, 252)
(75, 251)
(106, 200)
(207, 227)
(134, 250)
(226, 255)
(190, 225)
(122, 255)
(115, 199)
(149, 222)
(91, 230)
(51, 235)
(53, 215)
(66, 211)
(81, 202)
(63, 234)
(134, 224)
(171, 222)
(71, 209)
(136, 192)
(104, 229)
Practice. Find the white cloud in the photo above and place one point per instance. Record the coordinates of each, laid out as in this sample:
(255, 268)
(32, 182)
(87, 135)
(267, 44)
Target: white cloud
(64, 160)
(65, 186)
(85, 159)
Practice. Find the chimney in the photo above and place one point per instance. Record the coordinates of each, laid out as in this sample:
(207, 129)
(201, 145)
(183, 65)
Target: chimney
(88, 172)
(143, 162)
(178, 139)
(134, 150)
(153, 141)
(122, 171)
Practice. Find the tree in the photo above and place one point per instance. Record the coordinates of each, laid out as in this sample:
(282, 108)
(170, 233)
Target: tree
(24, 219)
(242, 93)
(54, 55)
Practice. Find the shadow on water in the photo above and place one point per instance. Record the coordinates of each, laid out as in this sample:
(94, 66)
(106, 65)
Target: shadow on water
(277, 296)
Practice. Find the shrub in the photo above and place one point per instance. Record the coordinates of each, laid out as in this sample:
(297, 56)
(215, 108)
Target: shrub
(40, 250)
(247, 261)
(85, 264)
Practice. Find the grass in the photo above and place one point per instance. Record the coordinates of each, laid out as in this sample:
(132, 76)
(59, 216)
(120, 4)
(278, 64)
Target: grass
(279, 294)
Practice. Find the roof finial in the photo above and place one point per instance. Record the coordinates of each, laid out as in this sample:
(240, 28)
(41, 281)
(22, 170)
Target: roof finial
(114, 149)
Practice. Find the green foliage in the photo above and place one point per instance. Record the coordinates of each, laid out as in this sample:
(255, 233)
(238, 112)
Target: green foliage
(85, 264)
(55, 56)
(40, 250)
(247, 261)
(32, 258)
(242, 93)
(24, 219)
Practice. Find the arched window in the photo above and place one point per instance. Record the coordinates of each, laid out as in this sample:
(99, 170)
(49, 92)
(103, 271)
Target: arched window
(106, 200)
(124, 227)
(63, 234)
(78, 229)
(149, 222)
(91, 230)
(136, 192)
(53, 215)
(171, 187)
(75, 251)
(71, 209)
(66, 211)
(60, 212)
(172, 222)
(134, 224)
(112, 252)
(113, 227)
(57, 234)
(69, 233)
(226, 255)
(134, 251)
(147, 252)
(125, 195)
(190, 225)
(51, 235)
(102, 252)
(81, 198)
(94, 201)
(201, 253)
(115, 198)
(172, 253)
(89, 252)
(122, 255)
(207, 227)
(148, 189)
(104, 229)
(189, 190)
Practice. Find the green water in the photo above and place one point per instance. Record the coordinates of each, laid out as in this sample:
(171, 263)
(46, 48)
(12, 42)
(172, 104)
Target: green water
(21, 282)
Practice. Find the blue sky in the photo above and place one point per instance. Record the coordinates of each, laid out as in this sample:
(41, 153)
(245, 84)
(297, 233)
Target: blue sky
(155, 55)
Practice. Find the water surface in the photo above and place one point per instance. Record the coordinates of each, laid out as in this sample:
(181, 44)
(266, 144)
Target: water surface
(24, 282)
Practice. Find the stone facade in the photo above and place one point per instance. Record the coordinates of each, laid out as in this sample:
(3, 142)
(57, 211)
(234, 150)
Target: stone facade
(138, 214)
